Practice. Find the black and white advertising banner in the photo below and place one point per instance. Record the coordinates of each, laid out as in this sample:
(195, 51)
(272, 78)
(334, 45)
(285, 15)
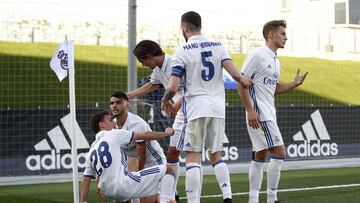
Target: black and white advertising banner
(36, 141)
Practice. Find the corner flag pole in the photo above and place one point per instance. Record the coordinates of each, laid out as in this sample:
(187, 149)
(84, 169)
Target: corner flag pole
(61, 63)
(73, 136)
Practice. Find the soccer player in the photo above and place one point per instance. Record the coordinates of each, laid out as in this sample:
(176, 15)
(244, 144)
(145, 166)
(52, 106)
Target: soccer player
(106, 160)
(263, 67)
(199, 63)
(150, 54)
(148, 153)
(140, 153)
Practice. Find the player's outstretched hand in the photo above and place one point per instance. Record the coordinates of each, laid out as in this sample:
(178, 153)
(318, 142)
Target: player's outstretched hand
(299, 79)
(169, 131)
(246, 81)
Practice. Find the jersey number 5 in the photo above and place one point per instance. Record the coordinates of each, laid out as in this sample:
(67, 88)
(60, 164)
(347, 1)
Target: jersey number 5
(104, 155)
(207, 74)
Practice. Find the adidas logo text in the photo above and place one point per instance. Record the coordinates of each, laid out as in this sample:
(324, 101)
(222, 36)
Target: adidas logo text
(53, 161)
(56, 159)
(313, 145)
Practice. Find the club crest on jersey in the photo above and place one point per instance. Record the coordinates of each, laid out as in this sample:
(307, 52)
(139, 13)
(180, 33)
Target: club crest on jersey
(63, 59)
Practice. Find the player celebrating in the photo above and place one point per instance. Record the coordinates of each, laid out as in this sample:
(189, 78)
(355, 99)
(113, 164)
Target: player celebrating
(199, 63)
(140, 153)
(148, 153)
(263, 67)
(150, 54)
(106, 160)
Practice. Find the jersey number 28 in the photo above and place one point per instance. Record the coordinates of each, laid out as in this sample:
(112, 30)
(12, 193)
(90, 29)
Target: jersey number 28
(207, 74)
(102, 154)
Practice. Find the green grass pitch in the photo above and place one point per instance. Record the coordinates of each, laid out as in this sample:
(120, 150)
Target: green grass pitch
(62, 192)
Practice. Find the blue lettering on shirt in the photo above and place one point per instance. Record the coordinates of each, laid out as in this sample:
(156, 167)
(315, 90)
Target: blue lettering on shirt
(269, 81)
(202, 45)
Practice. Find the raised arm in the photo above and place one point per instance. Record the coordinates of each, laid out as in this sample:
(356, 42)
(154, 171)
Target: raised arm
(298, 80)
(145, 89)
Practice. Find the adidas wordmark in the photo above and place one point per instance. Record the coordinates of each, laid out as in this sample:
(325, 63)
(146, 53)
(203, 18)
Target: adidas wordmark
(313, 143)
(57, 160)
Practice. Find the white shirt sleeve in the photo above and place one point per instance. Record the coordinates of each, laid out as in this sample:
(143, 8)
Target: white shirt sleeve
(225, 55)
(89, 170)
(250, 65)
(154, 79)
(144, 127)
(124, 137)
(178, 58)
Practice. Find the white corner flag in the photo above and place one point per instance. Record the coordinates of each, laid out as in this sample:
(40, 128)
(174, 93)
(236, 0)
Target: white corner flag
(61, 62)
(63, 59)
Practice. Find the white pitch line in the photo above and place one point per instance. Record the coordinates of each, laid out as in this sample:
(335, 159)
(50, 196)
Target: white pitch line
(288, 190)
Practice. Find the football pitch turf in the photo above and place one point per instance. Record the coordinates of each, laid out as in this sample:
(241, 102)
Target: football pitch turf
(337, 185)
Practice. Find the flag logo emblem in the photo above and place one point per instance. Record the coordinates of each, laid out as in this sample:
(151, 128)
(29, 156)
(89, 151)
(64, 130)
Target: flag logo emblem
(63, 59)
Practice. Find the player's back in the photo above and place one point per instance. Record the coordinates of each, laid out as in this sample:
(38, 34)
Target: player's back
(109, 160)
(204, 87)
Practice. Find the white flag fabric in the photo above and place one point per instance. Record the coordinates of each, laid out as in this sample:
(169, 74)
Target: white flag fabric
(63, 59)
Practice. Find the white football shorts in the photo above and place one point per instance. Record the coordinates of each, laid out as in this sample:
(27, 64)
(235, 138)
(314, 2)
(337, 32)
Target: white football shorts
(266, 136)
(207, 131)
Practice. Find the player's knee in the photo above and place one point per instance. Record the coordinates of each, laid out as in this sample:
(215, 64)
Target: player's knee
(215, 157)
(173, 154)
(278, 151)
(260, 155)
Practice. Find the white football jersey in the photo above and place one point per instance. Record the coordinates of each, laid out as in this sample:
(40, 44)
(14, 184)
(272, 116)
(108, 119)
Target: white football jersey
(162, 76)
(263, 66)
(106, 158)
(154, 152)
(199, 62)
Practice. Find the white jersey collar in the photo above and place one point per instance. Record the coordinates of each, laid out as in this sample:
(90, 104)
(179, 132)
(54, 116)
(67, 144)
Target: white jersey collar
(126, 124)
(195, 37)
(271, 52)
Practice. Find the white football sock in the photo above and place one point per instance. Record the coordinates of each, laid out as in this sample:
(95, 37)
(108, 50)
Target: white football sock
(223, 178)
(273, 176)
(167, 192)
(193, 182)
(176, 167)
(255, 179)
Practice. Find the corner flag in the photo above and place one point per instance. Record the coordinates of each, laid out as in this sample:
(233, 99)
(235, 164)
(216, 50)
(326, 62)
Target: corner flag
(63, 59)
(61, 62)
